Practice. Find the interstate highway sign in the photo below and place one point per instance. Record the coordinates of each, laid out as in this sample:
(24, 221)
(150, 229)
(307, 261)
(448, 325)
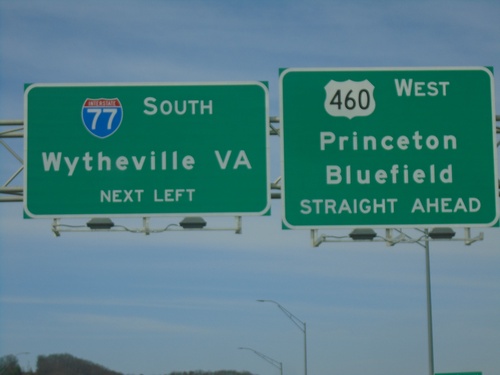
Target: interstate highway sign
(388, 147)
(146, 149)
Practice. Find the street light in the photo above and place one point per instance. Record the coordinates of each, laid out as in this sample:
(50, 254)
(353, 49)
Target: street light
(299, 323)
(100, 224)
(361, 234)
(273, 362)
(193, 222)
(442, 234)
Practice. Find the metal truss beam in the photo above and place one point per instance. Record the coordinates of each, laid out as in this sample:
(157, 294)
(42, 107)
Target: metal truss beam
(12, 129)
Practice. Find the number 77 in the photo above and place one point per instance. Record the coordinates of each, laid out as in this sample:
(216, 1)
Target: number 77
(97, 112)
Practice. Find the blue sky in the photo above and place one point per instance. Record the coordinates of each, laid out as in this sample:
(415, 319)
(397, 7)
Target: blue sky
(176, 301)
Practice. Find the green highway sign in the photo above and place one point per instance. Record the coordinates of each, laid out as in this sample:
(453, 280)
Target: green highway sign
(146, 149)
(393, 147)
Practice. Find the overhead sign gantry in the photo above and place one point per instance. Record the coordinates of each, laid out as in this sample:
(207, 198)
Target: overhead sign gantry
(146, 149)
(388, 147)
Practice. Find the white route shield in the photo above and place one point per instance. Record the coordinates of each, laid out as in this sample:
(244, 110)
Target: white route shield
(349, 98)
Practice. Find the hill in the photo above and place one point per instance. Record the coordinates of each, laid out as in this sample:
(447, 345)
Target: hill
(66, 364)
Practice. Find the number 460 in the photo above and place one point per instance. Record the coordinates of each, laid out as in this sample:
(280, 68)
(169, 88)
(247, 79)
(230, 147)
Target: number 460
(350, 101)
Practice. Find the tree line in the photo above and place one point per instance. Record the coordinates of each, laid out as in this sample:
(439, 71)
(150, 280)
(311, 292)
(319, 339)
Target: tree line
(55, 364)
(66, 364)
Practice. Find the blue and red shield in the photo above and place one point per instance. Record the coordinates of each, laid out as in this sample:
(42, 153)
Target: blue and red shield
(102, 117)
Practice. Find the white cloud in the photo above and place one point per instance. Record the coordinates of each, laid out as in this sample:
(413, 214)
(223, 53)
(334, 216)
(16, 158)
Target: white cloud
(124, 324)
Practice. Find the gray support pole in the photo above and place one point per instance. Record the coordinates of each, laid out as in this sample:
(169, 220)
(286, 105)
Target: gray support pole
(305, 350)
(429, 304)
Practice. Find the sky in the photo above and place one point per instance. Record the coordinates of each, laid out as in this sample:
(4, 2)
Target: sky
(180, 301)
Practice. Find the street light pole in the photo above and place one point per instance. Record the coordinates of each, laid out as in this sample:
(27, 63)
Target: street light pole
(299, 323)
(430, 345)
(273, 362)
